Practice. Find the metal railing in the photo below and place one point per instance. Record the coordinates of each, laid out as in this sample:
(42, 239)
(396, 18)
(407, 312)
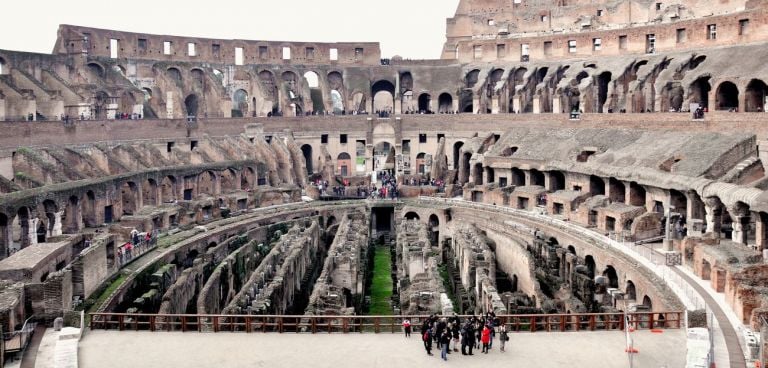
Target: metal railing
(17, 340)
(373, 324)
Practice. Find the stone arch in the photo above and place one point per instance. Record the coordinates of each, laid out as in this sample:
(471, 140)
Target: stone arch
(191, 105)
(383, 156)
(630, 292)
(206, 183)
(410, 215)
(464, 167)
(727, 96)
(174, 74)
(197, 75)
(129, 198)
(229, 180)
(337, 101)
(490, 174)
(636, 194)
(679, 201)
(425, 101)
(699, 91)
(100, 101)
(168, 190)
(344, 163)
(471, 78)
(247, 178)
(72, 221)
(383, 92)
(596, 185)
(648, 302)
(96, 68)
(240, 106)
(3, 68)
(444, 103)
(556, 181)
(755, 95)
(612, 276)
(149, 192)
(267, 79)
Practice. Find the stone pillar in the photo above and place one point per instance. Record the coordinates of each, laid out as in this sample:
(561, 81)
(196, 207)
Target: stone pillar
(475, 104)
(556, 109)
(56, 228)
(536, 105)
(548, 181)
(740, 227)
(495, 104)
(713, 216)
(528, 179)
(760, 232)
(31, 232)
(517, 103)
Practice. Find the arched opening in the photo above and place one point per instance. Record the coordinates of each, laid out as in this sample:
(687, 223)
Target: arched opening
(206, 184)
(464, 168)
(457, 154)
(247, 178)
(636, 194)
(556, 181)
(306, 151)
(755, 95)
(5, 238)
(337, 101)
(229, 180)
(490, 174)
(727, 97)
(425, 101)
(612, 276)
(100, 102)
(602, 90)
(420, 163)
(174, 75)
(412, 216)
(699, 91)
(197, 77)
(434, 229)
(72, 221)
(129, 198)
(518, 177)
(190, 104)
(239, 103)
(629, 291)
(96, 70)
(648, 303)
(149, 192)
(2, 67)
(270, 89)
(617, 190)
(537, 177)
(472, 78)
(706, 270)
(589, 261)
(596, 185)
(315, 93)
(89, 209)
(383, 93)
(168, 189)
(679, 201)
(478, 174)
(22, 216)
(444, 103)
(344, 163)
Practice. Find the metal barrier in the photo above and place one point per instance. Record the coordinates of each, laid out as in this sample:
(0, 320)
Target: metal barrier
(17, 340)
(373, 324)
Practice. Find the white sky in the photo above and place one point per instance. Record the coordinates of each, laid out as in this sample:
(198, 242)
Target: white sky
(413, 29)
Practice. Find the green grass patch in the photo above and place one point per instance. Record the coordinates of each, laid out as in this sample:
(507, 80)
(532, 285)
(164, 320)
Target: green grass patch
(381, 284)
(92, 305)
(443, 269)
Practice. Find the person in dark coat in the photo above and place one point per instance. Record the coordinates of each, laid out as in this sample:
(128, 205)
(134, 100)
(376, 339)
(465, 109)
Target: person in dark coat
(427, 337)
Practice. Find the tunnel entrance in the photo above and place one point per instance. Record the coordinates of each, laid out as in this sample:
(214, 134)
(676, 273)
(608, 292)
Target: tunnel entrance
(382, 221)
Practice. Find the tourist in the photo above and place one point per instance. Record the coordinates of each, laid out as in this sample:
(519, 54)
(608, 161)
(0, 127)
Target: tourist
(467, 338)
(445, 340)
(407, 327)
(455, 335)
(427, 338)
(486, 338)
(503, 336)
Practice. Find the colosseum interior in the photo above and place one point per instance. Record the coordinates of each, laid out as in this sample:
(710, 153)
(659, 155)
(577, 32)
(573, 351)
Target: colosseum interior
(560, 158)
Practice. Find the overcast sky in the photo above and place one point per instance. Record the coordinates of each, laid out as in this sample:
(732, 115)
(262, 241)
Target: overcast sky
(410, 28)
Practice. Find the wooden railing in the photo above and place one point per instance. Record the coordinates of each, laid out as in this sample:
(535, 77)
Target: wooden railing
(373, 324)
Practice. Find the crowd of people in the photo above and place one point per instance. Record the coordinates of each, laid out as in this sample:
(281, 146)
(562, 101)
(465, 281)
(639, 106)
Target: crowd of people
(450, 334)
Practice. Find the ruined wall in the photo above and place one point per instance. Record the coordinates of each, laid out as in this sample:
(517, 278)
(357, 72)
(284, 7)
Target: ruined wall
(421, 287)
